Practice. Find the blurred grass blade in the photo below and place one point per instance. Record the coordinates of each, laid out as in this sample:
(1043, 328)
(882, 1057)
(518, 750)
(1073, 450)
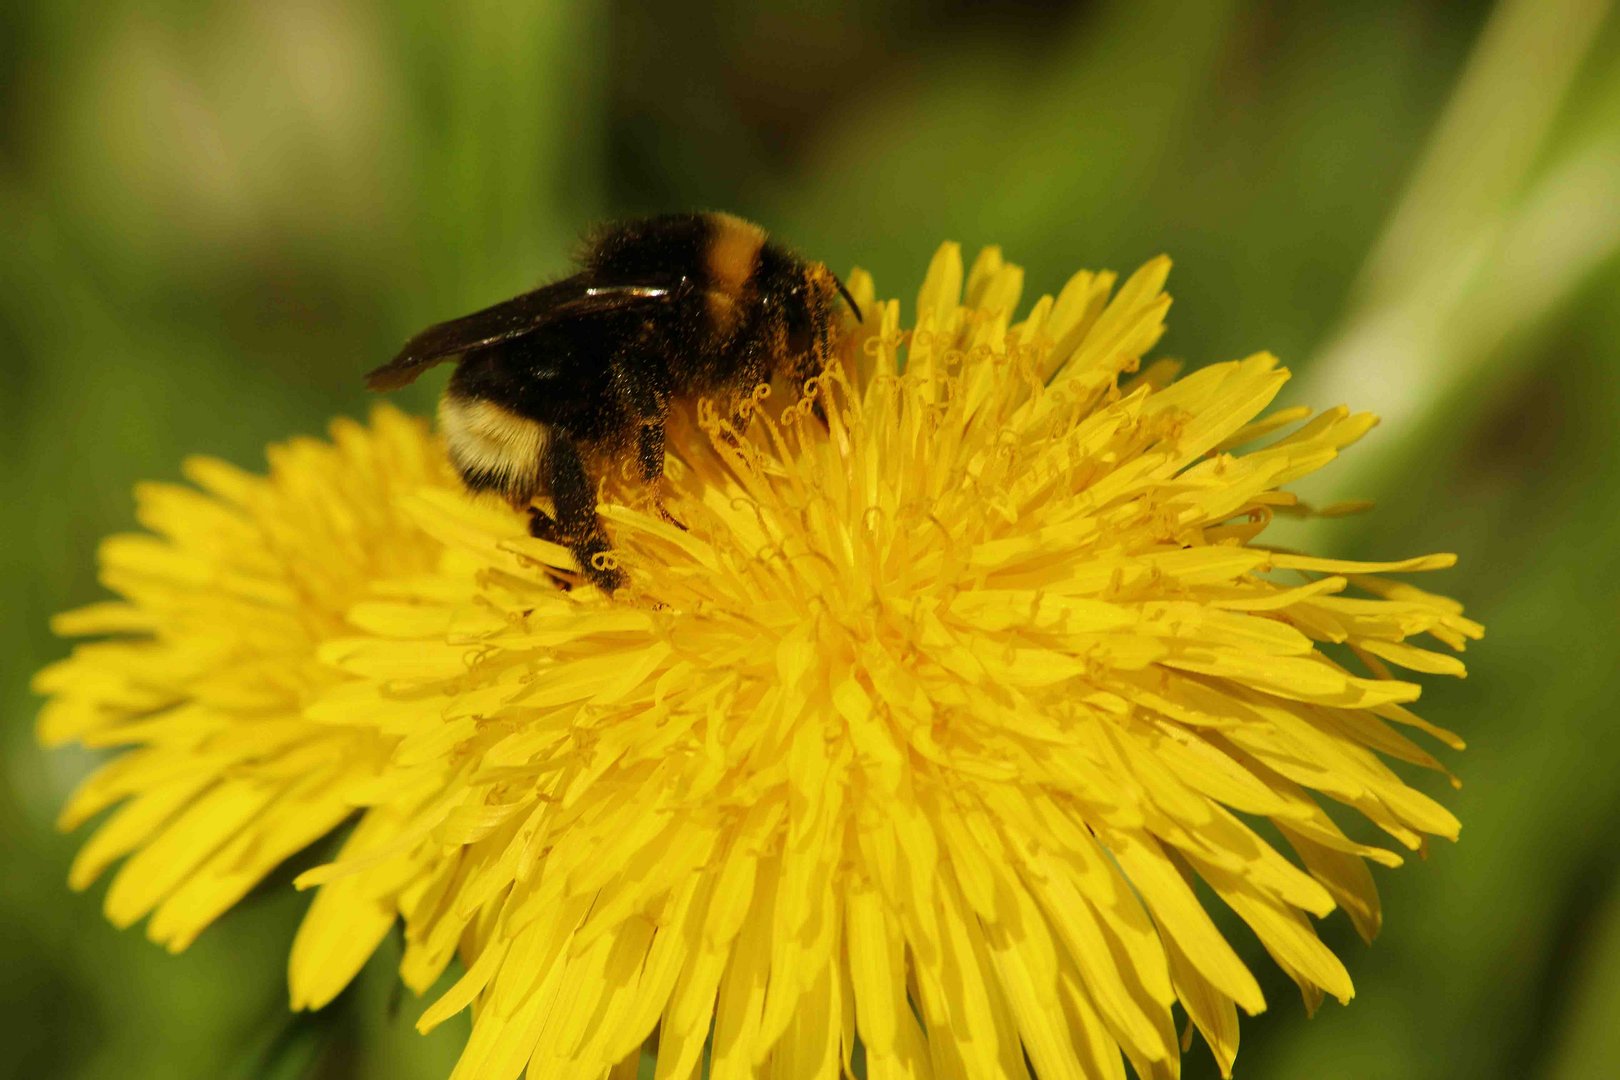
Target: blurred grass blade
(1591, 1042)
(1487, 140)
(513, 126)
(1469, 256)
(293, 1045)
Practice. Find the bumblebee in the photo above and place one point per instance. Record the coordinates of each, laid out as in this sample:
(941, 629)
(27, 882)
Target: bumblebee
(557, 386)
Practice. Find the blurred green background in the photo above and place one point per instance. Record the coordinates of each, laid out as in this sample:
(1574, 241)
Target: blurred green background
(217, 215)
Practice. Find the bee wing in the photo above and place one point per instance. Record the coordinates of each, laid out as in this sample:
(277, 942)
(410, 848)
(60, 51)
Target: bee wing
(506, 321)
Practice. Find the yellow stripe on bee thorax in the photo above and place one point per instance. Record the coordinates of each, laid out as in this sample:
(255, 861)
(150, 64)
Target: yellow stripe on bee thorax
(730, 261)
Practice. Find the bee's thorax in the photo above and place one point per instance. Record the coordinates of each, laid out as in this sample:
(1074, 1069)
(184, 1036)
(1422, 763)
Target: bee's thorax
(730, 262)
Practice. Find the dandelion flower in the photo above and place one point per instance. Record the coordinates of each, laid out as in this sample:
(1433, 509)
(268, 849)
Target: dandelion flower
(921, 748)
(223, 778)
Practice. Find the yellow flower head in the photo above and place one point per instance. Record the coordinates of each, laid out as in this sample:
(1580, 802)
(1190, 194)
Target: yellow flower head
(227, 603)
(917, 737)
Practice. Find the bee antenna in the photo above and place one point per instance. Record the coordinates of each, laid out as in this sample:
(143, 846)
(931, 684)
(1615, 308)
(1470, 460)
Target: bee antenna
(848, 299)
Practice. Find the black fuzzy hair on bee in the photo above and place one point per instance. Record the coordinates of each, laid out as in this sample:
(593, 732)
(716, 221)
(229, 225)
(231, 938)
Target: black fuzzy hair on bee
(554, 386)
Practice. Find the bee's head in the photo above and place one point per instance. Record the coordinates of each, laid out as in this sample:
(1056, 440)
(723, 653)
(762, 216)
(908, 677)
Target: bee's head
(827, 284)
(809, 299)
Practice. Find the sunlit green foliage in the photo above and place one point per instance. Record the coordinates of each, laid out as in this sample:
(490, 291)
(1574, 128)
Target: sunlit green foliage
(219, 214)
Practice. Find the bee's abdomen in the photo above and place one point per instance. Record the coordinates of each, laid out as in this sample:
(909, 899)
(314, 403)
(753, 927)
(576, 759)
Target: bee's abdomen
(492, 447)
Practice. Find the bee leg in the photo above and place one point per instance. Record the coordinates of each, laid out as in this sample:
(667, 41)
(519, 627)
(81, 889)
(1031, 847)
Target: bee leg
(650, 460)
(645, 393)
(650, 452)
(574, 497)
(542, 526)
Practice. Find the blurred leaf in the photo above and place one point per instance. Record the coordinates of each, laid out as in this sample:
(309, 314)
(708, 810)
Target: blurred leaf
(1590, 1041)
(292, 1048)
(1482, 246)
(221, 214)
